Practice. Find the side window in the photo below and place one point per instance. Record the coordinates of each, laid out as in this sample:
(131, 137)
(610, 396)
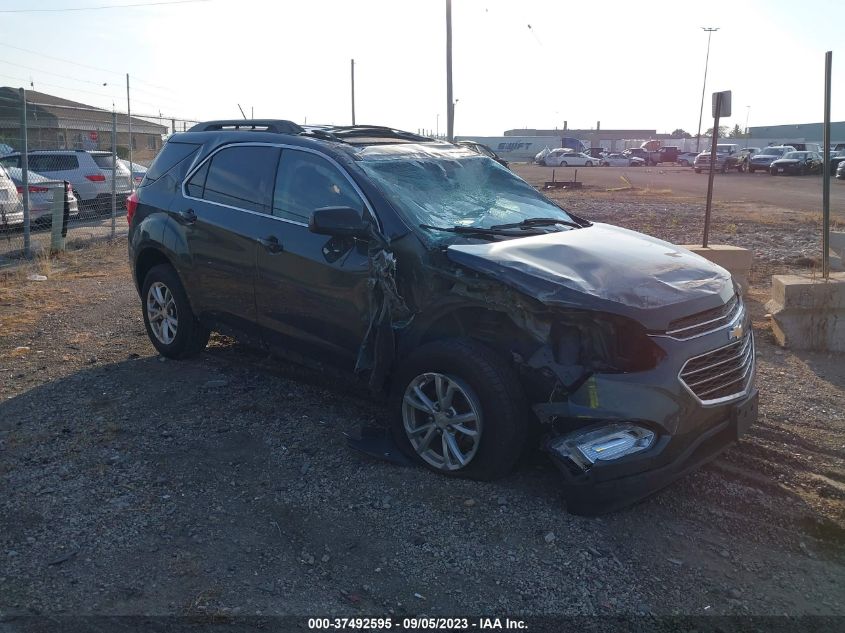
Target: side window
(52, 162)
(306, 182)
(11, 161)
(242, 176)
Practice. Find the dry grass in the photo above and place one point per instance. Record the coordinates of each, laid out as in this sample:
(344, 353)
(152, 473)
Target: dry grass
(23, 301)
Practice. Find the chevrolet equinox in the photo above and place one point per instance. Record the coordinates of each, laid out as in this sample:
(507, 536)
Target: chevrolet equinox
(491, 318)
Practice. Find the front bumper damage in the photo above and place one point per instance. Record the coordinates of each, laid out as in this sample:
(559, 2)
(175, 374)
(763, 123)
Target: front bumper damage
(678, 431)
(609, 485)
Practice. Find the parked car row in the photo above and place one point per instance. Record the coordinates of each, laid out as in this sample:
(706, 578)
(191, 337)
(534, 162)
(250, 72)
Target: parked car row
(90, 174)
(41, 191)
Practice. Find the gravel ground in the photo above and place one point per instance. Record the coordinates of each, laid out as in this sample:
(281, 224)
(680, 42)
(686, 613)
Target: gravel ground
(223, 484)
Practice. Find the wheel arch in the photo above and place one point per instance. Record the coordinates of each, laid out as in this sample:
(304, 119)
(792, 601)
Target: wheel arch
(146, 259)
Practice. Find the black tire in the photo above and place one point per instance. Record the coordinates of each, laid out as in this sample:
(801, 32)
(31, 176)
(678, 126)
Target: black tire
(191, 336)
(505, 416)
(698, 171)
(773, 171)
(750, 169)
(562, 163)
(588, 164)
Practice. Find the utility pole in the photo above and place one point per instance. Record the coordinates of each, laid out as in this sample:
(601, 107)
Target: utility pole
(747, 113)
(704, 86)
(129, 123)
(828, 63)
(25, 176)
(352, 66)
(450, 107)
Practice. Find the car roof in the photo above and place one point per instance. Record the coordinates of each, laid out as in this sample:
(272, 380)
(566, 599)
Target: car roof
(347, 140)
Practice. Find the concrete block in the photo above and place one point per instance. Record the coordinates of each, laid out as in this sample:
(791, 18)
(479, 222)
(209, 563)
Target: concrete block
(737, 261)
(809, 312)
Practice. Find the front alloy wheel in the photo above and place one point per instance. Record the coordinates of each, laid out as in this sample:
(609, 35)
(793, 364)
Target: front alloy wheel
(162, 313)
(442, 419)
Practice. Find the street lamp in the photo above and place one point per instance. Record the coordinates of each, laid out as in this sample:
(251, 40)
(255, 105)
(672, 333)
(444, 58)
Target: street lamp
(709, 31)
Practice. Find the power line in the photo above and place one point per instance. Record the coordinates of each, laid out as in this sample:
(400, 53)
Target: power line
(89, 67)
(159, 97)
(107, 6)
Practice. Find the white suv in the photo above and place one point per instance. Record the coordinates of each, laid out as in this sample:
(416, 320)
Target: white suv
(89, 173)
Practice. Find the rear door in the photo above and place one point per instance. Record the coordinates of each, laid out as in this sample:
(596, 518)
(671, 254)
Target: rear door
(223, 213)
(311, 290)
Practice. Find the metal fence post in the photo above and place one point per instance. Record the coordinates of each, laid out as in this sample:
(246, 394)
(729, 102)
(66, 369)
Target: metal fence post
(58, 229)
(114, 171)
(25, 176)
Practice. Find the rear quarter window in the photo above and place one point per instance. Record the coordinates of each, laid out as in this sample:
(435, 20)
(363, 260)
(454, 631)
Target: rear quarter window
(103, 161)
(170, 155)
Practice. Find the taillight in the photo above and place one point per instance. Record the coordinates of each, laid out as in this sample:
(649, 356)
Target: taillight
(131, 206)
(96, 177)
(33, 189)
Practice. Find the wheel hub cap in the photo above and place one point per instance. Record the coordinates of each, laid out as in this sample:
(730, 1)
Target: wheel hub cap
(161, 313)
(442, 419)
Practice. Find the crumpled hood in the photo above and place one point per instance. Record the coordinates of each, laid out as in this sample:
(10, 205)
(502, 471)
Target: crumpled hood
(605, 268)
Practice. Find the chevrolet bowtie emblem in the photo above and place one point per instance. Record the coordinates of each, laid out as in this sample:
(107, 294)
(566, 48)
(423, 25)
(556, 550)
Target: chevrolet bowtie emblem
(736, 332)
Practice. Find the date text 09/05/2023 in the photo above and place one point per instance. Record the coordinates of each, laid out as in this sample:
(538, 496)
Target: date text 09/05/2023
(417, 624)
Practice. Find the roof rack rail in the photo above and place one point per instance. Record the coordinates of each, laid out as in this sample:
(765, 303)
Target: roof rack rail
(375, 131)
(275, 126)
(348, 133)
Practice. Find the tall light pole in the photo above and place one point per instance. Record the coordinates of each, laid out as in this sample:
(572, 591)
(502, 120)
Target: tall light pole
(709, 31)
(352, 65)
(450, 106)
(747, 113)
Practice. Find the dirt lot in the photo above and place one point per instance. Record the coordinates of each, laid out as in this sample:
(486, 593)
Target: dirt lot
(224, 485)
(796, 193)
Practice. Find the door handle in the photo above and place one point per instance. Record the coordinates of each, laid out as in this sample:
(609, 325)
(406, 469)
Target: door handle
(271, 243)
(187, 216)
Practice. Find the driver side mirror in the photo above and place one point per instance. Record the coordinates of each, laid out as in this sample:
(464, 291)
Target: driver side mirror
(338, 222)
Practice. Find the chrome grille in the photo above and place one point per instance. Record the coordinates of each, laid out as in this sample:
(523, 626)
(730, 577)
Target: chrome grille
(707, 321)
(723, 374)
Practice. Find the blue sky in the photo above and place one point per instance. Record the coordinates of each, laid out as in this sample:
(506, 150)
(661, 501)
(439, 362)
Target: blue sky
(626, 64)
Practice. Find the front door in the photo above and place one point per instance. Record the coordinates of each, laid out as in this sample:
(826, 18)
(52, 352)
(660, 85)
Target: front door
(311, 290)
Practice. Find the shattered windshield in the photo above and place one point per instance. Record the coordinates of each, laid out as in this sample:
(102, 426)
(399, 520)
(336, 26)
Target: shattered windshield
(456, 189)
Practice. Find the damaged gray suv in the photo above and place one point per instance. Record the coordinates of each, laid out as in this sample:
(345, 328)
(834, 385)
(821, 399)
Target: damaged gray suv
(493, 319)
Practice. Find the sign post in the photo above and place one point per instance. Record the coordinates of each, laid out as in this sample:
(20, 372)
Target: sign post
(721, 107)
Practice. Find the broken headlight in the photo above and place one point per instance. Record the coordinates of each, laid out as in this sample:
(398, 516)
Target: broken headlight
(605, 442)
(606, 343)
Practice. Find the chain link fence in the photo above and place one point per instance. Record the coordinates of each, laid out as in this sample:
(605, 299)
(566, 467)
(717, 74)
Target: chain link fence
(67, 169)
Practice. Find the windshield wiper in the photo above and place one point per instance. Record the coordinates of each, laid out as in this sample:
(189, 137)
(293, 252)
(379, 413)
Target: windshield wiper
(477, 230)
(532, 222)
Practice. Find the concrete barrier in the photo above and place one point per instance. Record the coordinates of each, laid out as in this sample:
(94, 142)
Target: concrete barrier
(737, 261)
(809, 313)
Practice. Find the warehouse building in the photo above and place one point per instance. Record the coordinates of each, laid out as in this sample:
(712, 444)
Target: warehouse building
(56, 123)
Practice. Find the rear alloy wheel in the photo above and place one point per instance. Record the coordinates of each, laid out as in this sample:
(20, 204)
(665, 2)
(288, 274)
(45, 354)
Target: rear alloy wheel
(458, 409)
(171, 325)
(562, 163)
